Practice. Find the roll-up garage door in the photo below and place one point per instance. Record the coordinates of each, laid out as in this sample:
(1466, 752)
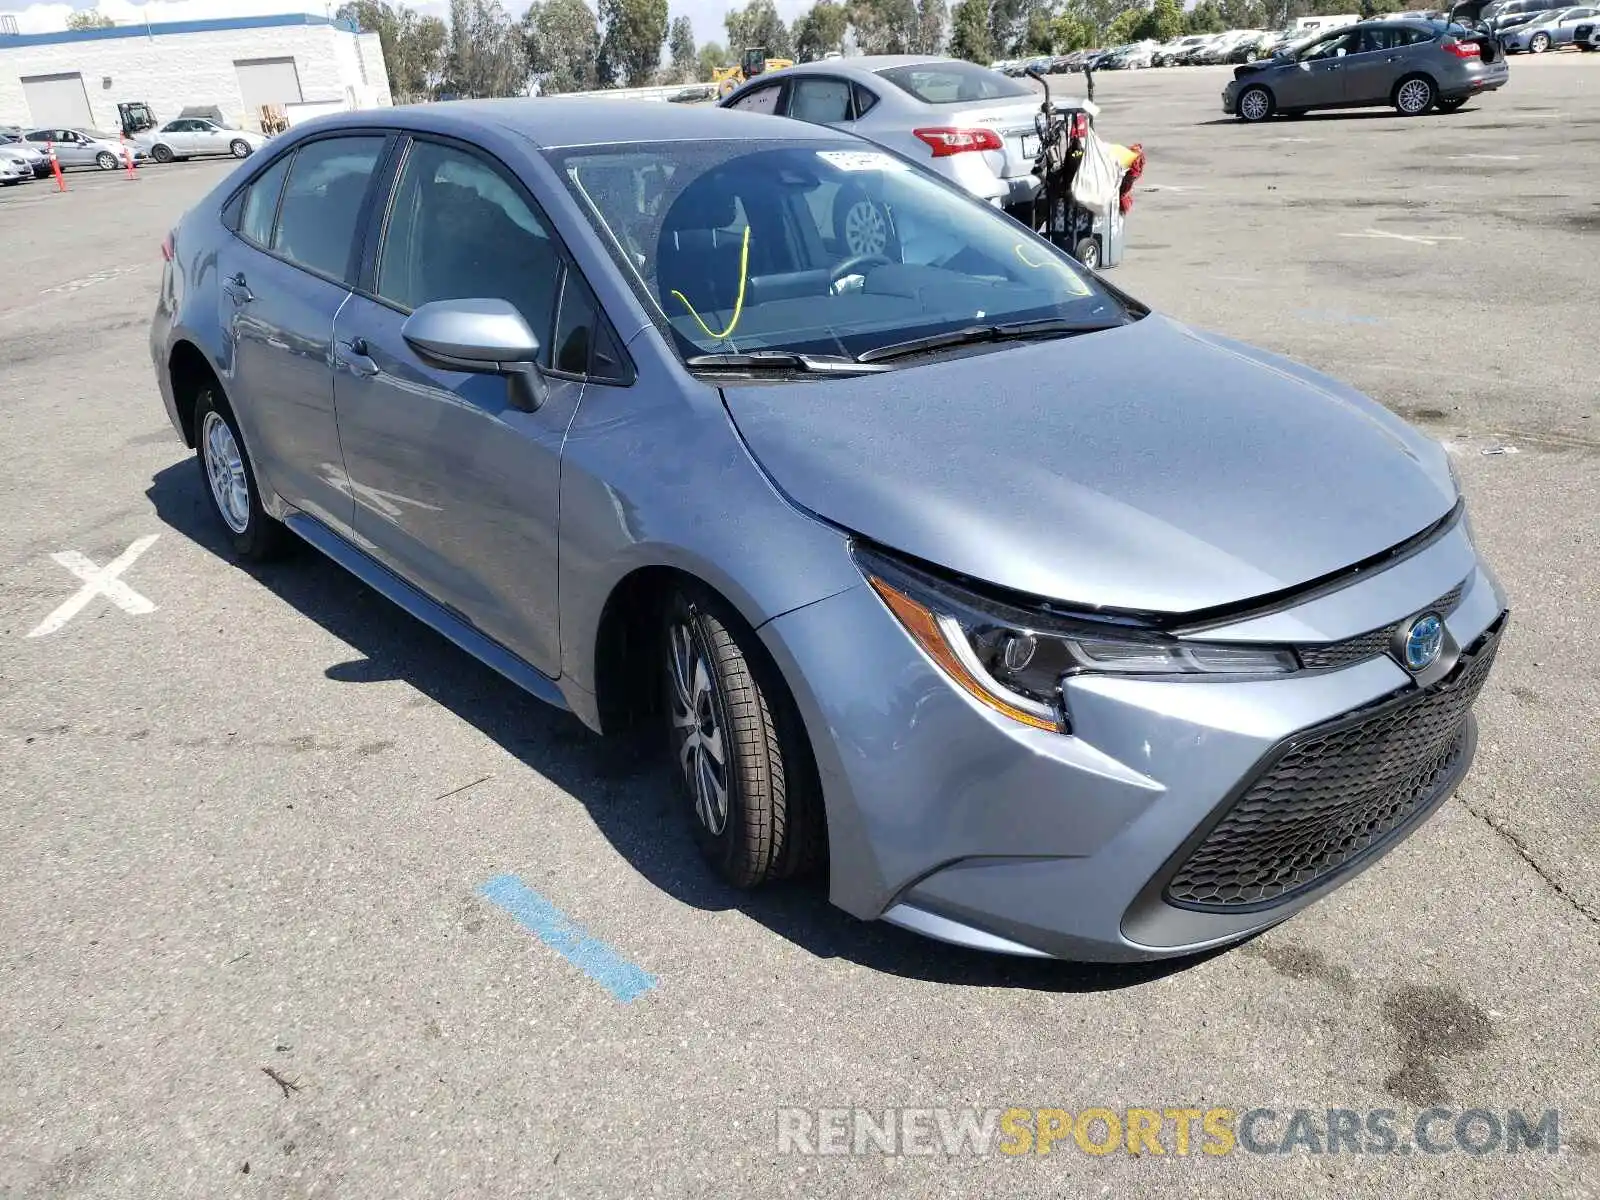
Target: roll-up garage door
(58, 100)
(267, 81)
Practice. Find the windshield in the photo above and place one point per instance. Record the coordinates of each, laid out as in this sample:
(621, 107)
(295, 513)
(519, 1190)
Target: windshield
(815, 247)
(954, 83)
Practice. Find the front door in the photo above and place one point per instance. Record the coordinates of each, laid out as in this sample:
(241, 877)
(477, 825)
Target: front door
(282, 284)
(208, 139)
(72, 149)
(1317, 77)
(179, 137)
(456, 489)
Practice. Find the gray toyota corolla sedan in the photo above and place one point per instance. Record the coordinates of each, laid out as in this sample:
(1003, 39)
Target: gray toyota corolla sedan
(1047, 624)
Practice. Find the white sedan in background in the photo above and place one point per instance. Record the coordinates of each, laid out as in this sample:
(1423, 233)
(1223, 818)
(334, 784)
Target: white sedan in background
(189, 137)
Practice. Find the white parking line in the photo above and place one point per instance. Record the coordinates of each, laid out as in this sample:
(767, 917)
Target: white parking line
(98, 581)
(1490, 157)
(77, 285)
(1432, 239)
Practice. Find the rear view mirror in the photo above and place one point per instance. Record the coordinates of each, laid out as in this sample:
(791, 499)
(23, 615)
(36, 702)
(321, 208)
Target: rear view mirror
(486, 337)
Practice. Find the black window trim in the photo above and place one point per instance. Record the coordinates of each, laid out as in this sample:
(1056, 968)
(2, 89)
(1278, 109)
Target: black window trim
(366, 276)
(363, 214)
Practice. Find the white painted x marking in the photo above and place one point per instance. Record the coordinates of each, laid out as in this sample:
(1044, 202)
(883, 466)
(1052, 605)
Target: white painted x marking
(98, 581)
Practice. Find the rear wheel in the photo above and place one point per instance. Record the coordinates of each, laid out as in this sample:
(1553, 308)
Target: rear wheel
(162, 154)
(230, 481)
(1539, 43)
(1255, 104)
(1087, 251)
(860, 225)
(1414, 96)
(742, 762)
(239, 148)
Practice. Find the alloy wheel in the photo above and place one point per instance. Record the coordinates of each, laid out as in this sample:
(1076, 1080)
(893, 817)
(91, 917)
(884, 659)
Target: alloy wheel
(1415, 96)
(230, 488)
(697, 724)
(240, 149)
(1253, 105)
(1539, 43)
(865, 230)
(106, 160)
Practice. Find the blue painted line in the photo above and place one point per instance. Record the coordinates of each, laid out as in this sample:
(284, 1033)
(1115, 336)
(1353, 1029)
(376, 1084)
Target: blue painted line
(567, 938)
(1336, 318)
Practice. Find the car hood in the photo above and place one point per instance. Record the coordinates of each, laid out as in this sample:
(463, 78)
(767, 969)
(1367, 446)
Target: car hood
(1148, 467)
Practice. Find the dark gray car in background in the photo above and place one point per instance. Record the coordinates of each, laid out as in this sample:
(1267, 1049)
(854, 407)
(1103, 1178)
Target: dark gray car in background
(1046, 624)
(1414, 65)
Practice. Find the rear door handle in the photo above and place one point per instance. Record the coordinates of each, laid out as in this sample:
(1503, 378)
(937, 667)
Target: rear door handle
(1395, 57)
(353, 357)
(238, 290)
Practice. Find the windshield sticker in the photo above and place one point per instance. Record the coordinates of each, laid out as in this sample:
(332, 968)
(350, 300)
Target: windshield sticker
(862, 160)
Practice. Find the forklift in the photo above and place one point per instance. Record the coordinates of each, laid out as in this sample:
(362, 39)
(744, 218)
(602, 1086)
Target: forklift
(136, 117)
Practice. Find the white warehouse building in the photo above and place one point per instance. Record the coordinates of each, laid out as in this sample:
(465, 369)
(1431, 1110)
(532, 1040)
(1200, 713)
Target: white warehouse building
(296, 62)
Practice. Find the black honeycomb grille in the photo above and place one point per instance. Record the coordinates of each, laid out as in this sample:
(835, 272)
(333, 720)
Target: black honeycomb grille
(1332, 796)
(1368, 645)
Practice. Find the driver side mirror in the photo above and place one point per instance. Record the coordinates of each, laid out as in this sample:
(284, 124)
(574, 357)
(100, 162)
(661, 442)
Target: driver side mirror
(483, 337)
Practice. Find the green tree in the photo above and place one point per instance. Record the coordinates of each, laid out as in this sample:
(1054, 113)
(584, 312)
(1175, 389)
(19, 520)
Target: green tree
(711, 56)
(932, 17)
(1163, 22)
(561, 39)
(1246, 14)
(884, 26)
(820, 30)
(89, 18)
(486, 56)
(680, 44)
(630, 48)
(758, 24)
(414, 46)
(1070, 31)
(1206, 17)
(969, 31)
(1125, 27)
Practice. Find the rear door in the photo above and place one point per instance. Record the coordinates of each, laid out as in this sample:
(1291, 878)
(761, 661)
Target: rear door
(283, 279)
(456, 488)
(1378, 60)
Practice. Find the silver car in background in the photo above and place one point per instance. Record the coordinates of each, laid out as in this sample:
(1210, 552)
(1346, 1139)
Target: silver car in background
(188, 137)
(38, 161)
(14, 168)
(968, 123)
(85, 148)
(1549, 31)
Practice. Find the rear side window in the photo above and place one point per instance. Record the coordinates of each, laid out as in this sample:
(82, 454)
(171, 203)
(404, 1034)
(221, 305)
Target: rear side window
(459, 230)
(322, 202)
(954, 83)
(819, 100)
(261, 203)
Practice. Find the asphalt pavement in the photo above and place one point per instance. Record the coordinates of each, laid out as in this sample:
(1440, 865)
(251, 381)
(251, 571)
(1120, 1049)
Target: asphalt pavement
(298, 900)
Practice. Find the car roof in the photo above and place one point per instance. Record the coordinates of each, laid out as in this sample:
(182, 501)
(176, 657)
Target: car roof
(872, 64)
(556, 122)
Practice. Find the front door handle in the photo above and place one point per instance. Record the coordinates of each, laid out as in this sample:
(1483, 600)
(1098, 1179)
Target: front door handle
(238, 290)
(353, 357)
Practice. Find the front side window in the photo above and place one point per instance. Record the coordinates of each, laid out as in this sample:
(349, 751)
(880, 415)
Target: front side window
(459, 230)
(955, 83)
(815, 247)
(261, 203)
(322, 202)
(762, 100)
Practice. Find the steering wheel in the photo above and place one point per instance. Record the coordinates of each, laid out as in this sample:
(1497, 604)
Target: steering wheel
(854, 264)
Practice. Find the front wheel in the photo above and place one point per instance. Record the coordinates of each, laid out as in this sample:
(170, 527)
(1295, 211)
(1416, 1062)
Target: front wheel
(741, 760)
(230, 481)
(106, 160)
(1414, 96)
(1255, 105)
(1539, 43)
(239, 148)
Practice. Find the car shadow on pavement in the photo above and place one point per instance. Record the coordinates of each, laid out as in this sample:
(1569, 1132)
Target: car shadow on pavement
(625, 784)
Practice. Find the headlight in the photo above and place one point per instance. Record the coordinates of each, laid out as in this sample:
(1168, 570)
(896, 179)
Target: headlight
(1013, 659)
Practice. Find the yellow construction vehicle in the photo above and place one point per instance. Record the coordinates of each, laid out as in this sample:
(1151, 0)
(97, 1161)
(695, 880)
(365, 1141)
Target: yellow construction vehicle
(754, 62)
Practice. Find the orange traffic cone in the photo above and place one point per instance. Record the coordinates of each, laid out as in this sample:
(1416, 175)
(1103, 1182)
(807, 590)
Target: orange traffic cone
(55, 167)
(127, 155)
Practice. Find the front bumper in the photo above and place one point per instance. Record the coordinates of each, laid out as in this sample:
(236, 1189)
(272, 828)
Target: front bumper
(950, 819)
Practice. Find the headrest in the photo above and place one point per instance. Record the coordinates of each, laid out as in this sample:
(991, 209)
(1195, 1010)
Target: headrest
(708, 204)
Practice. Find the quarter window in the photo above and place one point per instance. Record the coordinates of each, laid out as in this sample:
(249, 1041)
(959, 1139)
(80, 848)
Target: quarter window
(261, 203)
(322, 202)
(458, 230)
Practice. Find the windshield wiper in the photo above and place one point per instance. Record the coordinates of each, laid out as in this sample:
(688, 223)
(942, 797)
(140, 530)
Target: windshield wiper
(1044, 327)
(782, 360)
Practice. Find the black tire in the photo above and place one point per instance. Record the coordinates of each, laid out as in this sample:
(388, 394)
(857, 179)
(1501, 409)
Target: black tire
(1087, 251)
(721, 690)
(106, 161)
(239, 148)
(257, 537)
(1255, 104)
(162, 154)
(1539, 43)
(1414, 95)
(1452, 105)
